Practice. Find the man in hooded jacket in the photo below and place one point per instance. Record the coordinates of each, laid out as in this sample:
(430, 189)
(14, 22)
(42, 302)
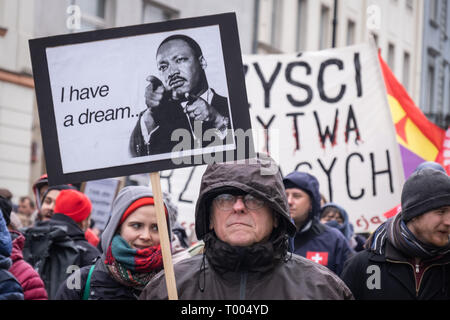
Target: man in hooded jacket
(313, 240)
(243, 218)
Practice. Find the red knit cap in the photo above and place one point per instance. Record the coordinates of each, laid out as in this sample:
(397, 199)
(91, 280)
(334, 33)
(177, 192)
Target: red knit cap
(73, 204)
(137, 204)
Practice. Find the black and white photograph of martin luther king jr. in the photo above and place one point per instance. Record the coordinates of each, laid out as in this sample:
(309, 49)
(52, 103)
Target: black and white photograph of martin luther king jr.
(180, 99)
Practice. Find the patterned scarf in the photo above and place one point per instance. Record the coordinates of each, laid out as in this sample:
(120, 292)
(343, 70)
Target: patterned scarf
(132, 267)
(402, 239)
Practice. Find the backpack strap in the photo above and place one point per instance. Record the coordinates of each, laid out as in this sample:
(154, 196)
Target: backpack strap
(87, 287)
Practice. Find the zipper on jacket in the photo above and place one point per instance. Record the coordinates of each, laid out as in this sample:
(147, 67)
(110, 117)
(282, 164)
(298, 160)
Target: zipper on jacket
(416, 267)
(243, 286)
(433, 265)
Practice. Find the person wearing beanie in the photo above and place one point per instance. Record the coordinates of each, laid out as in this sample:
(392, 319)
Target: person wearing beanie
(313, 240)
(131, 251)
(54, 246)
(408, 256)
(72, 211)
(243, 218)
(430, 165)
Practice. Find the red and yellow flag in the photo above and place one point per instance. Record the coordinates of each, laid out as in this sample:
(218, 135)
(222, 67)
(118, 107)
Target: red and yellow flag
(419, 139)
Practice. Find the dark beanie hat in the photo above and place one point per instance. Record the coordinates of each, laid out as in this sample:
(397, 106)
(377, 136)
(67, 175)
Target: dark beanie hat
(73, 204)
(425, 190)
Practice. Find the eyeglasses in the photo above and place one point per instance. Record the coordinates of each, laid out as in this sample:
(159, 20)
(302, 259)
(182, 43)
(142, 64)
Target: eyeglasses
(225, 202)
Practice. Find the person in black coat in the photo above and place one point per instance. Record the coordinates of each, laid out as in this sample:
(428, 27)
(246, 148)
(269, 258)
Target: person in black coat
(408, 256)
(72, 211)
(181, 100)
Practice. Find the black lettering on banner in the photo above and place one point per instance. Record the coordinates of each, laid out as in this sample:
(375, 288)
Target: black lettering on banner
(328, 173)
(351, 125)
(180, 197)
(309, 92)
(168, 177)
(323, 136)
(267, 85)
(347, 176)
(296, 131)
(302, 164)
(68, 120)
(357, 64)
(266, 131)
(320, 80)
(98, 116)
(375, 173)
(86, 93)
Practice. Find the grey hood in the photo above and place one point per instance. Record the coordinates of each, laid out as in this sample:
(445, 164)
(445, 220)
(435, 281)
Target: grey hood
(124, 199)
(249, 176)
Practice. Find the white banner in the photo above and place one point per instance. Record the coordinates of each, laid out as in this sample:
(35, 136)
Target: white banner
(326, 113)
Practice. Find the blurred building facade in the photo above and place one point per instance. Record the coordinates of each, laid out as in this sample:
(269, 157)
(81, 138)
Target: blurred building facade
(265, 26)
(435, 78)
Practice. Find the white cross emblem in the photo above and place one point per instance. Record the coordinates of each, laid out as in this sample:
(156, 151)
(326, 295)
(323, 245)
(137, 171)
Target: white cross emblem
(317, 258)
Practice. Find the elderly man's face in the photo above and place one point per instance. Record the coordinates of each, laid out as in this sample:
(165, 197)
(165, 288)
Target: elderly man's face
(238, 225)
(432, 227)
(180, 69)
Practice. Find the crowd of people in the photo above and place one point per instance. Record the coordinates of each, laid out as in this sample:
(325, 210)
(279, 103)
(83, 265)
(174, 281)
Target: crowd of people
(258, 237)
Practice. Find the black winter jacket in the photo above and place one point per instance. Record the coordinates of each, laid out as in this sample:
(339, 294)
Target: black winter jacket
(102, 286)
(392, 276)
(88, 252)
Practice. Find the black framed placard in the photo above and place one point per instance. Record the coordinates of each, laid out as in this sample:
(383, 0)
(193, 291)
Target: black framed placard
(141, 98)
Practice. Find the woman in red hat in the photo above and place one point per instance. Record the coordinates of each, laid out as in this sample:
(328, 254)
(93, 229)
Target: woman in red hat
(131, 252)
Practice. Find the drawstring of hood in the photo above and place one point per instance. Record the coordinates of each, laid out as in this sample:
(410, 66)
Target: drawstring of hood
(201, 286)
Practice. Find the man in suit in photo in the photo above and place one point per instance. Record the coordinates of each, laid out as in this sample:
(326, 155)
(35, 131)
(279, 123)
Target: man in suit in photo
(182, 99)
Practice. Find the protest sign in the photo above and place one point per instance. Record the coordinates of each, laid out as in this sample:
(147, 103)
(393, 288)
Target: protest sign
(325, 113)
(102, 194)
(144, 98)
(96, 98)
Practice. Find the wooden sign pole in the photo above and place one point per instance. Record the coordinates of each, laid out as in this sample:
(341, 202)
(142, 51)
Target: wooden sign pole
(164, 236)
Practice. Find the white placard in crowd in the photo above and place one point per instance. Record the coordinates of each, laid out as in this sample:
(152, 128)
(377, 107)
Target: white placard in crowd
(102, 194)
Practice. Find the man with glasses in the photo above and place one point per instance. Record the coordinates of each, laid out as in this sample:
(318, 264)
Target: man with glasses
(243, 217)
